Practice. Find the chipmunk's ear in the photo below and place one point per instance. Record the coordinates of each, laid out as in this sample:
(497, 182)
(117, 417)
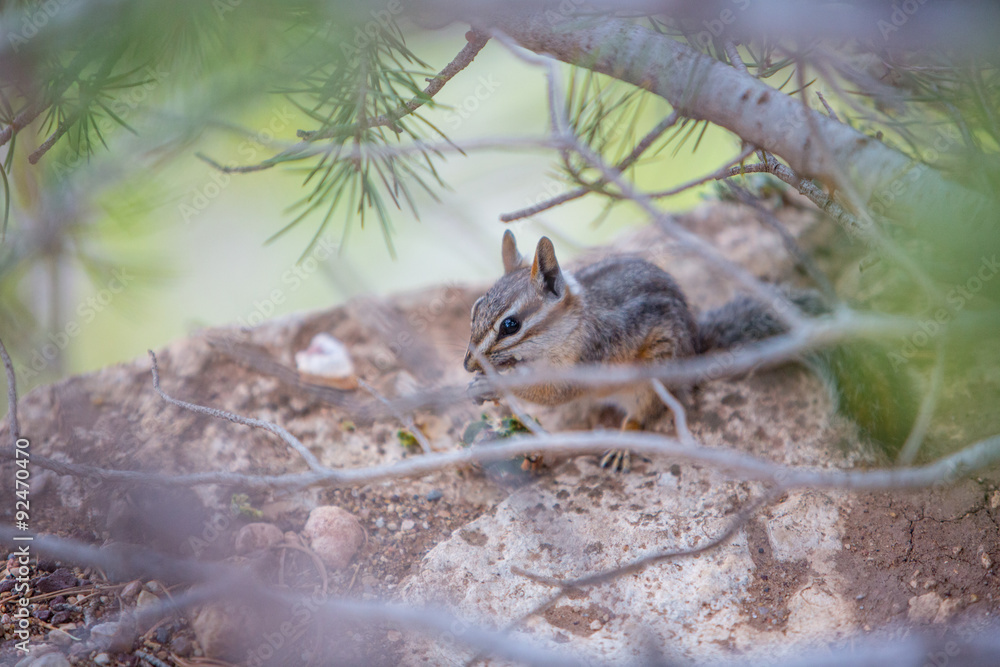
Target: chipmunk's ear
(545, 273)
(512, 259)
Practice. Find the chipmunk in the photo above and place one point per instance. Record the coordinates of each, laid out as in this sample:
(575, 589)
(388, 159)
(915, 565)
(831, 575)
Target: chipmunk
(621, 309)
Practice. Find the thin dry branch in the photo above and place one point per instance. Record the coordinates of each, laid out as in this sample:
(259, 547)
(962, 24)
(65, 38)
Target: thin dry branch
(476, 42)
(724, 171)
(624, 164)
(287, 437)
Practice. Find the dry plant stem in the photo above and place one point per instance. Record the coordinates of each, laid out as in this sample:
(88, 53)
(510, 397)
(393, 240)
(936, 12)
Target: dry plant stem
(461, 61)
(826, 105)
(15, 429)
(629, 160)
(680, 415)
(405, 419)
(804, 186)
(926, 412)
(288, 438)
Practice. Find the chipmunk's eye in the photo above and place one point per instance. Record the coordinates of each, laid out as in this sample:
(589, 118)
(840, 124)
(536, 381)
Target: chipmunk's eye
(509, 327)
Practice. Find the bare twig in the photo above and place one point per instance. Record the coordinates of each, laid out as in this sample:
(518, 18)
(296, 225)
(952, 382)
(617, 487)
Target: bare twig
(289, 439)
(629, 160)
(829, 109)
(680, 415)
(476, 42)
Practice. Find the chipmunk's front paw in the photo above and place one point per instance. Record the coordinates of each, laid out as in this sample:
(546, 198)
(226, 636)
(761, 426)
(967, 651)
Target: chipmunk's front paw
(618, 460)
(480, 391)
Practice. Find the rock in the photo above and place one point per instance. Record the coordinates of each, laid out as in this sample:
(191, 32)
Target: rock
(146, 599)
(102, 659)
(60, 637)
(581, 520)
(59, 580)
(50, 660)
(181, 645)
(257, 536)
(434, 494)
(224, 631)
(131, 590)
(60, 617)
(334, 534)
(114, 637)
(407, 524)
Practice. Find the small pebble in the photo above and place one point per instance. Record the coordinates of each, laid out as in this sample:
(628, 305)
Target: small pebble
(146, 599)
(392, 526)
(394, 635)
(42, 614)
(181, 645)
(162, 634)
(334, 534)
(131, 589)
(60, 638)
(408, 524)
(595, 625)
(102, 659)
(60, 617)
(57, 581)
(435, 494)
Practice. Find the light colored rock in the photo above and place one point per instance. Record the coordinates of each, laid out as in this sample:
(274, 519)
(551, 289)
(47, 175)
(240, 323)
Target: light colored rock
(583, 520)
(224, 631)
(334, 534)
(256, 536)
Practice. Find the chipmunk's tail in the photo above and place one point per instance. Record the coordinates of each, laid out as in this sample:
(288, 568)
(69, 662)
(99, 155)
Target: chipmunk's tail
(744, 320)
(867, 387)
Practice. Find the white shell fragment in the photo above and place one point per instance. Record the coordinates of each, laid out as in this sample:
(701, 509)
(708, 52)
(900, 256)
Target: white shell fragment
(326, 361)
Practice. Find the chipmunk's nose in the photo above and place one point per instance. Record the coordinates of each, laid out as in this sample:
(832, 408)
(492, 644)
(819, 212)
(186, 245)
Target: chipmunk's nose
(470, 364)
